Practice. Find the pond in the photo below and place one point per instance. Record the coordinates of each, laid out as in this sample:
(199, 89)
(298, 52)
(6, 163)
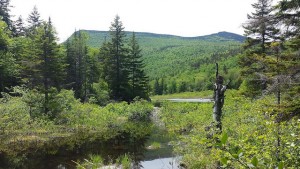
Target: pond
(199, 100)
(152, 151)
(143, 156)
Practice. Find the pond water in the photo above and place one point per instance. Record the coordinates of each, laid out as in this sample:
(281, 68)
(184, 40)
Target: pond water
(142, 156)
(142, 152)
(200, 100)
(151, 151)
(161, 163)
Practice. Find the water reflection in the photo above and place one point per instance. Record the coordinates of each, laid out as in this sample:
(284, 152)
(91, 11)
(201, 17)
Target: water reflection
(72, 150)
(161, 163)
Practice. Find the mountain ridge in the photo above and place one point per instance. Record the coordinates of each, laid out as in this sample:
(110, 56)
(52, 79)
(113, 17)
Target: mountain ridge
(224, 35)
(163, 34)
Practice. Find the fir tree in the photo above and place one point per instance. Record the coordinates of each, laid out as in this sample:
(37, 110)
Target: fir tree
(4, 13)
(34, 21)
(138, 79)
(289, 15)
(83, 66)
(261, 31)
(20, 29)
(157, 89)
(116, 63)
(76, 60)
(261, 24)
(8, 66)
(51, 67)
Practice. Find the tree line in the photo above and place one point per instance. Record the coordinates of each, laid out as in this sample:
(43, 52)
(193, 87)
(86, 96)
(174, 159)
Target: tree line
(31, 56)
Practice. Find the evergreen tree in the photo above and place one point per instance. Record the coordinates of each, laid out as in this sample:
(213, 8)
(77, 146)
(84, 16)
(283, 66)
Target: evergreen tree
(20, 29)
(138, 80)
(289, 14)
(51, 68)
(93, 70)
(75, 58)
(261, 24)
(34, 21)
(116, 63)
(157, 89)
(261, 31)
(160, 87)
(83, 68)
(8, 65)
(4, 13)
(286, 60)
(28, 51)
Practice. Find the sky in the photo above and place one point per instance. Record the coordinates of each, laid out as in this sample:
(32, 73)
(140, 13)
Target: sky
(176, 17)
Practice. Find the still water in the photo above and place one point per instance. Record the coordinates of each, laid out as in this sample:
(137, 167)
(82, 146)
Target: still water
(161, 163)
(143, 157)
(149, 151)
(141, 151)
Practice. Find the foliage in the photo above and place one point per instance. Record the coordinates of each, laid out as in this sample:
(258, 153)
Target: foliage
(83, 68)
(100, 93)
(270, 59)
(125, 162)
(5, 13)
(8, 72)
(155, 145)
(69, 124)
(250, 137)
(93, 162)
(96, 161)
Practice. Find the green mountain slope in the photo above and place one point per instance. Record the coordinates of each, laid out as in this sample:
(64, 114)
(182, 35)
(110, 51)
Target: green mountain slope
(185, 60)
(168, 55)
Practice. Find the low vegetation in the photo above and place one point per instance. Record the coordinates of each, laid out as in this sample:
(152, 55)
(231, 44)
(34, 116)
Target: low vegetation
(252, 135)
(27, 133)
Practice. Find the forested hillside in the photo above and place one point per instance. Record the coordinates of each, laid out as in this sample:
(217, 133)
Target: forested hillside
(181, 64)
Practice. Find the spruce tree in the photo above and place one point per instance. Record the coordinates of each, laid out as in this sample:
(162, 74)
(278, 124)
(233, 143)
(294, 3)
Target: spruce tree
(261, 24)
(83, 67)
(8, 66)
(116, 63)
(289, 15)
(286, 70)
(51, 67)
(261, 31)
(156, 87)
(4, 13)
(20, 29)
(34, 21)
(29, 51)
(137, 78)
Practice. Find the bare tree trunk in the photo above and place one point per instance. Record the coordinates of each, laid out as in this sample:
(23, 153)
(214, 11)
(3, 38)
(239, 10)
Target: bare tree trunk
(219, 90)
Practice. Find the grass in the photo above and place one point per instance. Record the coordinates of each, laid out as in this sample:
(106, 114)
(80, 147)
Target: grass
(155, 145)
